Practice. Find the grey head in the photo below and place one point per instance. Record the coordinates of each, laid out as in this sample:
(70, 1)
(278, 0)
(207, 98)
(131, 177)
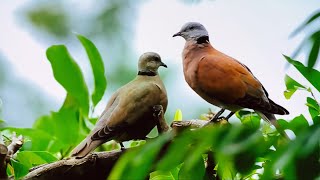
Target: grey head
(192, 31)
(149, 63)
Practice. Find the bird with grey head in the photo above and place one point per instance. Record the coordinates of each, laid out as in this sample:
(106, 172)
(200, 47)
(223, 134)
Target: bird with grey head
(192, 31)
(130, 112)
(222, 80)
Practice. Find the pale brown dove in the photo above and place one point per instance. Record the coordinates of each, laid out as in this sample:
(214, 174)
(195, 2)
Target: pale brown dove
(129, 113)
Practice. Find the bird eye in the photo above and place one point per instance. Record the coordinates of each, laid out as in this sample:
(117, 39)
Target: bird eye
(157, 59)
(192, 27)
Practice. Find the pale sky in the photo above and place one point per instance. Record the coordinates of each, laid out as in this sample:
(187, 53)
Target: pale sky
(254, 32)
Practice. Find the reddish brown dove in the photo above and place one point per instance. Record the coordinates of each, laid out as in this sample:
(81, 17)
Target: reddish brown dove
(129, 113)
(222, 80)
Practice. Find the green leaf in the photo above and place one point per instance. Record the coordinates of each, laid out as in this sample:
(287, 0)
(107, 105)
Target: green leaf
(67, 72)
(97, 66)
(165, 175)
(283, 124)
(244, 162)
(28, 159)
(298, 124)
(34, 158)
(314, 52)
(20, 169)
(178, 115)
(249, 119)
(310, 74)
(64, 128)
(192, 171)
(292, 85)
(300, 163)
(177, 152)
(35, 139)
(313, 107)
(138, 162)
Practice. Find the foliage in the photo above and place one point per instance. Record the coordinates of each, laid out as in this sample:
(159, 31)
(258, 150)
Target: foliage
(54, 135)
(312, 40)
(249, 150)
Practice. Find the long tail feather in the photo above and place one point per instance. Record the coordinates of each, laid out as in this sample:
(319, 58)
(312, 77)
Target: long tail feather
(270, 118)
(85, 147)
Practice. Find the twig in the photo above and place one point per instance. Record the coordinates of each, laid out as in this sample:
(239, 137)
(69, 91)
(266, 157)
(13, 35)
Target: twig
(7, 152)
(15, 145)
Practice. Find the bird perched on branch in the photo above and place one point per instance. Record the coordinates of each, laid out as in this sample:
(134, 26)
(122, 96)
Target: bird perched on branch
(222, 80)
(130, 112)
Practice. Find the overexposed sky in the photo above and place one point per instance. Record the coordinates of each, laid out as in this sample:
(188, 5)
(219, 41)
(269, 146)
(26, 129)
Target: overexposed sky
(254, 32)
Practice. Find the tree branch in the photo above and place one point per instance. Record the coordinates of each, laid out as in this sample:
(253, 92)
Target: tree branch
(96, 165)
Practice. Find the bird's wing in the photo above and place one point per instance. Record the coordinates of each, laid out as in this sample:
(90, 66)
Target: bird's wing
(264, 90)
(264, 103)
(132, 102)
(229, 81)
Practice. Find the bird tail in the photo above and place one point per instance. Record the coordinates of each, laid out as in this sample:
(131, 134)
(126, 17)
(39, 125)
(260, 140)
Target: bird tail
(85, 147)
(277, 109)
(270, 118)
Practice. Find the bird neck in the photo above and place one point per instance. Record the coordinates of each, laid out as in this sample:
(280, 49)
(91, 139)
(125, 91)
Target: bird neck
(203, 39)
(147, 73)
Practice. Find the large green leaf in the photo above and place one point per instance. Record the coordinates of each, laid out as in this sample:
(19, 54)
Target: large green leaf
(314, 52)
(65, 128)
(19, 169)
(249, 119)
(35, 139)
(97, 66)
(192, 171)
(34, 158)
(310, 74)
(297, 124)
(165, 175)
(67, 72)
(28, 159)
(292, 85)
(297, 162)
(314, 108)
(138, 162)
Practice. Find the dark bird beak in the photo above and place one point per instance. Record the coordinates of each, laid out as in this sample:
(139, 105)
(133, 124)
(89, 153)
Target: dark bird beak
(163, 64)
(177, 34)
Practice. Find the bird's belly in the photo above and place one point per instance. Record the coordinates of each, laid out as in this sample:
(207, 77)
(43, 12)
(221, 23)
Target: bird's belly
(138, 130)
(215, 101)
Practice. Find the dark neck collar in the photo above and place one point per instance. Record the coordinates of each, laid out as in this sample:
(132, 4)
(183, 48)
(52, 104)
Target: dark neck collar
(147, 73)
(203, 39)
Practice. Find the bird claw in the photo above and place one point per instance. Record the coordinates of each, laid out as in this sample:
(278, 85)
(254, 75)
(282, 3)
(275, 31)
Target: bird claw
(122, 148)
(218, 119)
(93, 158)
(157, 110)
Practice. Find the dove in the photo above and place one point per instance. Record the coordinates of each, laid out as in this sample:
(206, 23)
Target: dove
(132, 110)
(222, 80)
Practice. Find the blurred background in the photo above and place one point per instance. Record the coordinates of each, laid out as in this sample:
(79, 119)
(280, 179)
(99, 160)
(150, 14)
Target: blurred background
(254, 32)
